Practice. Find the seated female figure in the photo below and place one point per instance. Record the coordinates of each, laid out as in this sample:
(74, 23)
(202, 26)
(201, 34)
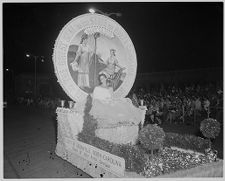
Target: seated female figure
(114, 116)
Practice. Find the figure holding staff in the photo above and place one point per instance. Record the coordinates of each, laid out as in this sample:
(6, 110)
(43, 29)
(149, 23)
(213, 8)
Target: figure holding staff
(81, 62)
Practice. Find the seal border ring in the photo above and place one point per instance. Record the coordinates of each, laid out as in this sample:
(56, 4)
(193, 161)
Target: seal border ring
(78, 94)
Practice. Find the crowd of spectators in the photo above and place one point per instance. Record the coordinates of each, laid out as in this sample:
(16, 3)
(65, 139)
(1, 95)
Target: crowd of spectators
(189, 103)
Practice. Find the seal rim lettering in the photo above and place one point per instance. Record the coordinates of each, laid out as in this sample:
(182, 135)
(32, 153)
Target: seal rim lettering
(69, 86)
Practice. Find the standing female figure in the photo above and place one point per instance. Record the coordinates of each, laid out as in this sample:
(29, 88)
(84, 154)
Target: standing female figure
(81, 62)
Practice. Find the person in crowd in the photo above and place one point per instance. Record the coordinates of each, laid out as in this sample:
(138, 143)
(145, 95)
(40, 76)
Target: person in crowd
(198, 107)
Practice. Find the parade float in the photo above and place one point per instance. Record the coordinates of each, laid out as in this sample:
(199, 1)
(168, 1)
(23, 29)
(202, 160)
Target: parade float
(122, 149)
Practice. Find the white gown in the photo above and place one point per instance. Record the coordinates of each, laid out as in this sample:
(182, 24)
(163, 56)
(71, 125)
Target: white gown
(117, 119)
(111, 112)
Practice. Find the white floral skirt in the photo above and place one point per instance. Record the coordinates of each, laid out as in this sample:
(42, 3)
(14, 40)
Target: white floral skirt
(115, 112)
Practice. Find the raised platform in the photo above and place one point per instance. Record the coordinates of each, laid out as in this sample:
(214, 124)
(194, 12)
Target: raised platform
(98, 163)
(93, 161)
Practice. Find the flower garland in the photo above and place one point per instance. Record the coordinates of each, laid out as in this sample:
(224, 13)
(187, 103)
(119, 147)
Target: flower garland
(172, 160)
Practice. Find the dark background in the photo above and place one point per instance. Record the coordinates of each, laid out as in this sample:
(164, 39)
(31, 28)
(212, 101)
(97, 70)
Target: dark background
(167, 36)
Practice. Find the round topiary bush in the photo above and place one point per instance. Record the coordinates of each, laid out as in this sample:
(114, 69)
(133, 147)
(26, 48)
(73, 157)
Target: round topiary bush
(151, 137)
(210, 128)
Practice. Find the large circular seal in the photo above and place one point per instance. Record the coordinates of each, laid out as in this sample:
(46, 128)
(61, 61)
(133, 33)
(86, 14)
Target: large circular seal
(90, 45)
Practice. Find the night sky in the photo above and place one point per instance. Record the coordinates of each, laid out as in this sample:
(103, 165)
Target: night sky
(167, 36)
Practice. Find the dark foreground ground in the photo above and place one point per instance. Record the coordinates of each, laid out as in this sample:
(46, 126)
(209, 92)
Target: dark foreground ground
(29, 144)
(30, 140)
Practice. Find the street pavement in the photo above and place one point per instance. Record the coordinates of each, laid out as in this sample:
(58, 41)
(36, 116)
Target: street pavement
(29, 145)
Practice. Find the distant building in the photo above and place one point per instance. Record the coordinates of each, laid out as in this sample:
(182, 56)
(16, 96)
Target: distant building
(25, 85)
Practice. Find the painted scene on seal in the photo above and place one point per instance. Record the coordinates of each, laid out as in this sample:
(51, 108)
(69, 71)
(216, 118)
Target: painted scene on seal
(92, 53)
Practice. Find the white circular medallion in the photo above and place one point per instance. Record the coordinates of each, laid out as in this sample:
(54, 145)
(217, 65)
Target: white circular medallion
(89, 45)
